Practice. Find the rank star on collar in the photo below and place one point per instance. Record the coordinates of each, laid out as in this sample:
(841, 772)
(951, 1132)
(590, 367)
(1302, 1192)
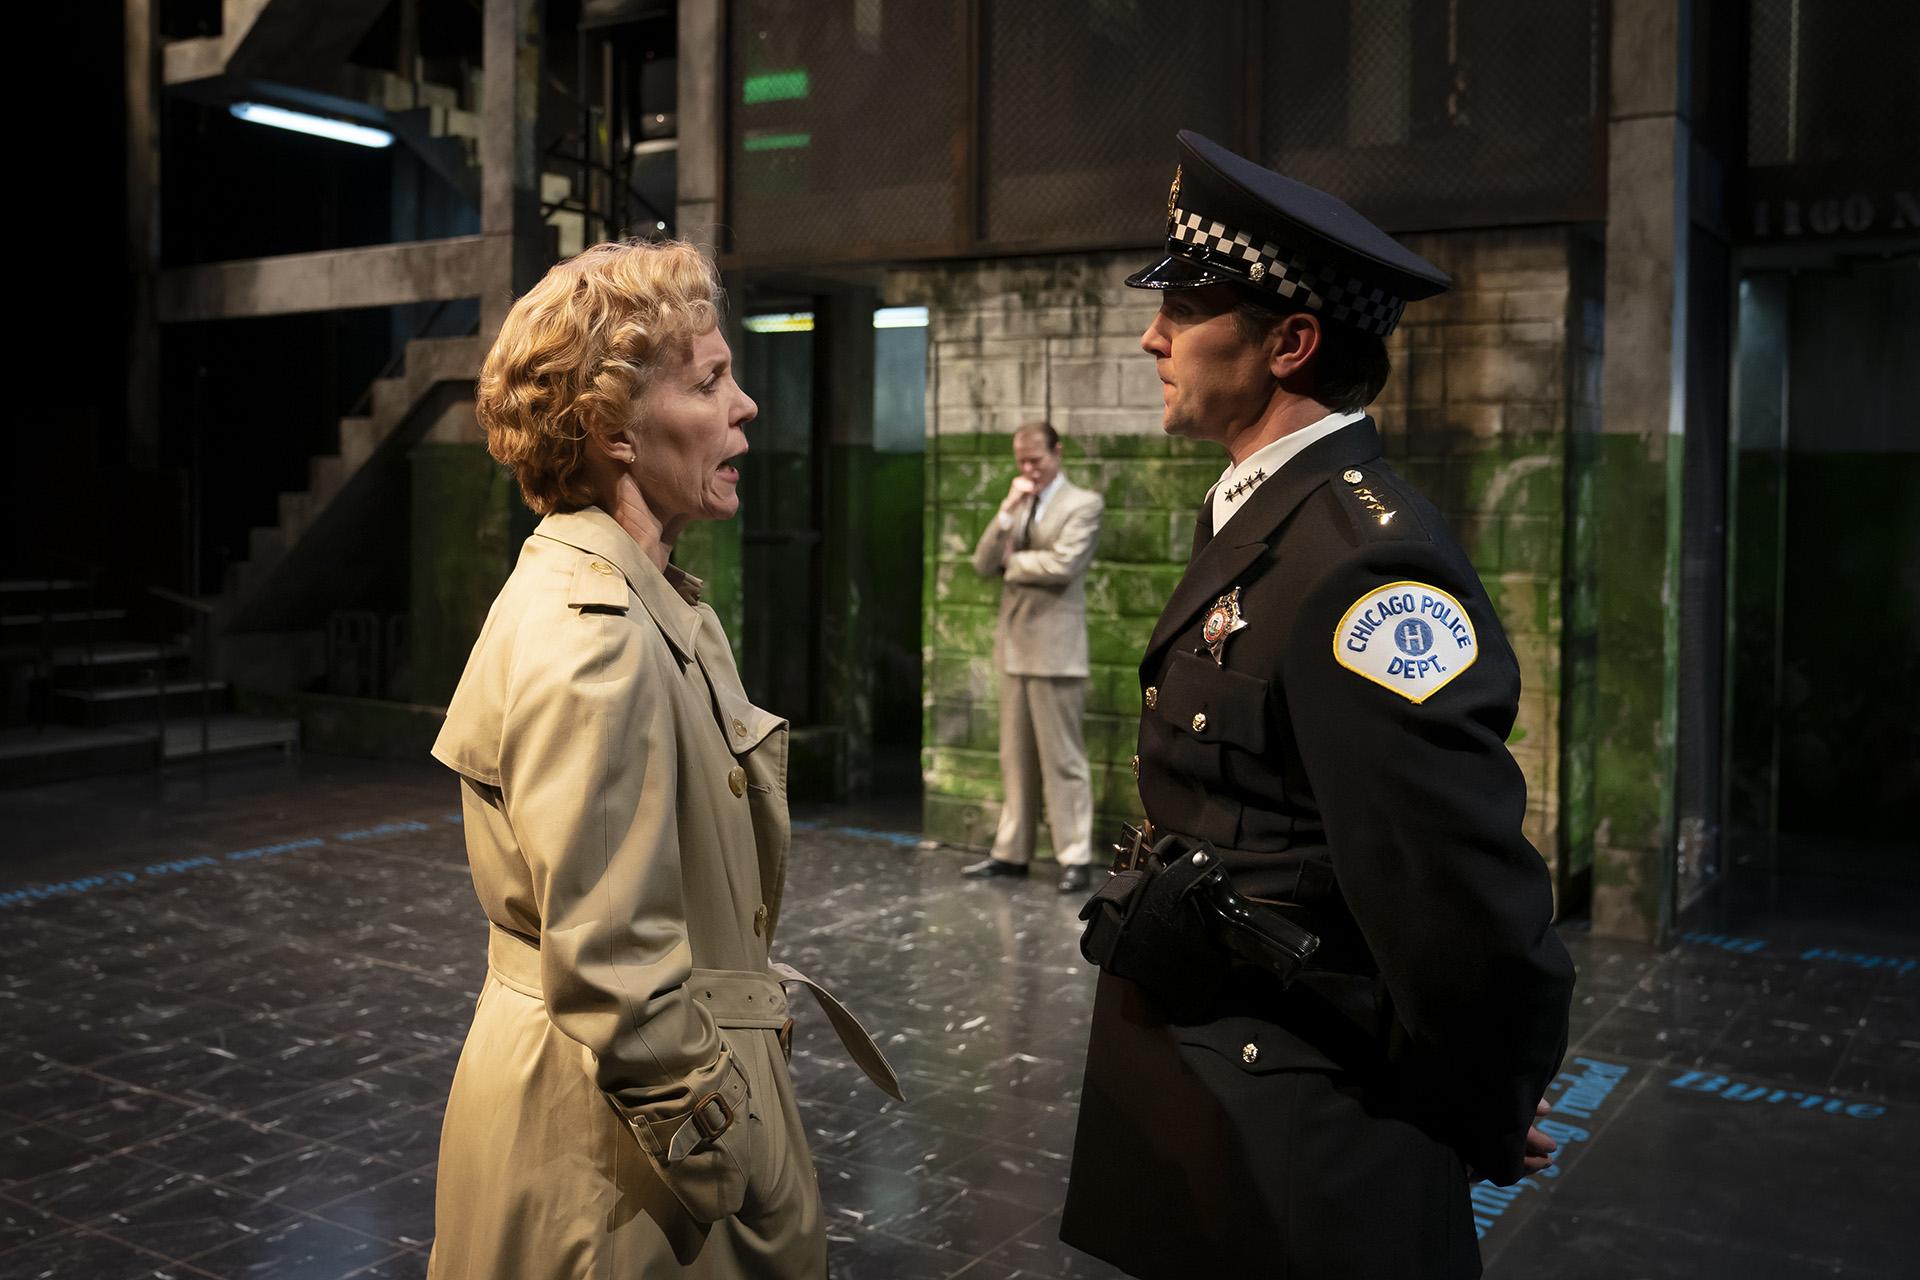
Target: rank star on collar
(1246, 484)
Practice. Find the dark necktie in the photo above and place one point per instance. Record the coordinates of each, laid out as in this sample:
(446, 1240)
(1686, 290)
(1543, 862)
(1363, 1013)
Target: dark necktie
(1026, 528)
(1203, 528)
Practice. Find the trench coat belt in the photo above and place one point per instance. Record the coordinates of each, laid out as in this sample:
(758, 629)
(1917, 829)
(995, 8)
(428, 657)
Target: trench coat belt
(735, 998)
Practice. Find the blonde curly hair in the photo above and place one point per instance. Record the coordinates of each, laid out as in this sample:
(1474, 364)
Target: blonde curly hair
(576, 354)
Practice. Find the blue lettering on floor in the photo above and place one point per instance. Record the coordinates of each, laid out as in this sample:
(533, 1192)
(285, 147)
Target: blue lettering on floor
(176, 866)
(1581, 1092)
(1740, 1091)
(1748, 946)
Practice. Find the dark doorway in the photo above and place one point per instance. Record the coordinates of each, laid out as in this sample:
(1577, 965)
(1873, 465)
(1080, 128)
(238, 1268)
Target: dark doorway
(1826, 614)
(832, 534)
(782, 498)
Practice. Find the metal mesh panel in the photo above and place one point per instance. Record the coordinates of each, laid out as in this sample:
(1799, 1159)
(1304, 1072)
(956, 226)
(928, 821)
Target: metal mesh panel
(1428, 113)
(844, 123)
(1833, 84)
(1082, 103)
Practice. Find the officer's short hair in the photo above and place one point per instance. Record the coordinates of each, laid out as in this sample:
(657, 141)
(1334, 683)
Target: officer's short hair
(577, 352)
(1044, 430)
(1349, 369)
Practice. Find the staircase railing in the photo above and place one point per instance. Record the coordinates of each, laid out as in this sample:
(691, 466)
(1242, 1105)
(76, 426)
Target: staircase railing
(200, 614)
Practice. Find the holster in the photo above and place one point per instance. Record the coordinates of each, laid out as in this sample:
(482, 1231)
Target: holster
(1172, 924)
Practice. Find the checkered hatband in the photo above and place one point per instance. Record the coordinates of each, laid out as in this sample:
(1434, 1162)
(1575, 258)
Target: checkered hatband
(1264, 265)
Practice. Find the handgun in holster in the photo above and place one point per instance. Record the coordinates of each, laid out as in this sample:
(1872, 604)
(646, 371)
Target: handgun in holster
(1169, 920)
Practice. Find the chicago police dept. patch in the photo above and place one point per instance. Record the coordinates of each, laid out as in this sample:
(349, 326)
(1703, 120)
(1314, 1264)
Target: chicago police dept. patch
(1407, 637)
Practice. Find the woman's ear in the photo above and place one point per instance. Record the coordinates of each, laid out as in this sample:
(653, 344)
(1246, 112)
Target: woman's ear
(617, 445)
(1292, 343)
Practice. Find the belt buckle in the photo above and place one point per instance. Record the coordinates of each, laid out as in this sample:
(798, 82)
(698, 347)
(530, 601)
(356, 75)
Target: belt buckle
(1135, 845)
(708, 1130)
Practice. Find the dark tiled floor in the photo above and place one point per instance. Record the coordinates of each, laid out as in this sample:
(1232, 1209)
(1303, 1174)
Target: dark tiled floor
(226, 1065)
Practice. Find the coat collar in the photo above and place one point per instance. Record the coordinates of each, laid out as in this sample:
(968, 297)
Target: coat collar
(668, 597)
(1248, 535)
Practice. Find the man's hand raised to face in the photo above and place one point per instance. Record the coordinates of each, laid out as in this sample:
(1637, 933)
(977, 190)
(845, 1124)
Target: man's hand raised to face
(1017, 494)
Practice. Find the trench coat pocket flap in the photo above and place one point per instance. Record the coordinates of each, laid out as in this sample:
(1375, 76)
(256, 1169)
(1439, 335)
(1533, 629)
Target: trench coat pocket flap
(745, 725)
(1256, 1046)
(1214, 704)
(859, 1045)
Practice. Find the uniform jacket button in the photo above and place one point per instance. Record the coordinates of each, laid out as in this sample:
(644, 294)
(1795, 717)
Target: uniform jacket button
(1352, 475)
(600, 566)
(739, 730)
(737, 780)
(1199, 722)
(1136, 768)
(1249, 1053)
(1153, 697)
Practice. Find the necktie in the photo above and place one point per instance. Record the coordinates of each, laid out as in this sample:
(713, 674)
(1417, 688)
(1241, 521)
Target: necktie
(1026, 527)
(1203, 527)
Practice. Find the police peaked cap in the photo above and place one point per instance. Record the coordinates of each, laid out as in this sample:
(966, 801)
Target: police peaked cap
(1231, 221)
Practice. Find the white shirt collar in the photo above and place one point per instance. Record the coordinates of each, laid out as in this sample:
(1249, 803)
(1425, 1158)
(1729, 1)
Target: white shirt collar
(1237, 483)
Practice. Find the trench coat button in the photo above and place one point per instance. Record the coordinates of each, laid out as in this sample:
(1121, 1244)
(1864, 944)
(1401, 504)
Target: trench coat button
(737, 780)
(1199, 722)
(1352, 475)
(760, 920)
(1249, 1053)
(1153, 696)
(600, 566)
(1136, 768)
(739, 730)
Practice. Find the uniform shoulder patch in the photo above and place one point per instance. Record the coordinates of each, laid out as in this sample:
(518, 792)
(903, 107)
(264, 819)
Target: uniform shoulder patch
(1408, 637)
(597, 585)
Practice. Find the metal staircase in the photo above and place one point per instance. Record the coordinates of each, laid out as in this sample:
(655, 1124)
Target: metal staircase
(437, 378)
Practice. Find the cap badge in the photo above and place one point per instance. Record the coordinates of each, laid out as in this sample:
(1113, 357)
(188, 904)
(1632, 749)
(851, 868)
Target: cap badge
(1257, 270)
(1173, 197)
(1222, 621)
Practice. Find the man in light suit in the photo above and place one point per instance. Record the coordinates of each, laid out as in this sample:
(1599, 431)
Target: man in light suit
(1040, 543)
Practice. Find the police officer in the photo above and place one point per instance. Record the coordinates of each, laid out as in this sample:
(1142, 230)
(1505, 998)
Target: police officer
(1327, 699)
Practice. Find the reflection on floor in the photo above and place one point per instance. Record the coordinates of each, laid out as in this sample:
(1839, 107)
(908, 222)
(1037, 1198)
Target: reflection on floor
(232, 1003)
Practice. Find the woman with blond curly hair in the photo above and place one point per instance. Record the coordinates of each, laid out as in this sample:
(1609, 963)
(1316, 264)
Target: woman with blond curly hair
(622, 1105)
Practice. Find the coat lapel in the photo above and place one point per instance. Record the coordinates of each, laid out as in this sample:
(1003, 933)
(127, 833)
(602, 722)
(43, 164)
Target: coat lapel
(1048, 526)
(1230, 552)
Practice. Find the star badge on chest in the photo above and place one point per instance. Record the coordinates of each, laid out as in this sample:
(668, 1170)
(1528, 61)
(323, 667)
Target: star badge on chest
(1222, 621)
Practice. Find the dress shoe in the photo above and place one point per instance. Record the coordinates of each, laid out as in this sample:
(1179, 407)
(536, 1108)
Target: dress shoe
(1074, 879)
(988, 868)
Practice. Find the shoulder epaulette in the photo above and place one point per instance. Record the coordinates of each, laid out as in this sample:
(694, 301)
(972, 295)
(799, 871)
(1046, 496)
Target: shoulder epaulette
(597, 585)
(1376, 505)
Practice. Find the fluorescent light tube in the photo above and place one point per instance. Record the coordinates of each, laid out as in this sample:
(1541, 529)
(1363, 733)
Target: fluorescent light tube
(319, 126)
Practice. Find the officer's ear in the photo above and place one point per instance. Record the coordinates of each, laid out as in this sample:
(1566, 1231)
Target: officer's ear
(1292, 343)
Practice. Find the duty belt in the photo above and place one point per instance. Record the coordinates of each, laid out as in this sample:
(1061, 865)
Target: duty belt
(1296, 884)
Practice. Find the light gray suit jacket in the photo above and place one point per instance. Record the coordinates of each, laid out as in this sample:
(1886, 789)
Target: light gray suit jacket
(1043, 603)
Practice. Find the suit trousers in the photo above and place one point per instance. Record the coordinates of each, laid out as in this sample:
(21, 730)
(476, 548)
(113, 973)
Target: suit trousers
(1042, 754)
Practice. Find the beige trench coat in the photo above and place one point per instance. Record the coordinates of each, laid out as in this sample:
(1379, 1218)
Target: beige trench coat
(622, 1106)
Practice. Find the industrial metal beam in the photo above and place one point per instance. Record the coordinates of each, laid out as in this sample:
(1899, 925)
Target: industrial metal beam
(376, 276)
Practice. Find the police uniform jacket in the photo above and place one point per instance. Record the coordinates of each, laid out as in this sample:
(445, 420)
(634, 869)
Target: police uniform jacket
(1264, 1130)
(626, 825)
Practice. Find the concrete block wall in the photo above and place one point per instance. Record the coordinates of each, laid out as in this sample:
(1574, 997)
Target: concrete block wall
(1486, 385)
(1495, 385)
